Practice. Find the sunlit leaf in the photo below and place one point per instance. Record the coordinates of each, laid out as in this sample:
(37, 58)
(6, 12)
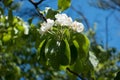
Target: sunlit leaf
(64, 4)
(6, 37)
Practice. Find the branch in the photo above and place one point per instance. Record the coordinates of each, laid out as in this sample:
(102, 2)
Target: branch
(38, 10)
(76, 74)
(36, 3)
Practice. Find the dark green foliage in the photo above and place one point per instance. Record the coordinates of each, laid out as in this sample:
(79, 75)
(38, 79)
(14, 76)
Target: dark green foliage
(48, 55)
(51, 14)
(117, 76)
(74, 54)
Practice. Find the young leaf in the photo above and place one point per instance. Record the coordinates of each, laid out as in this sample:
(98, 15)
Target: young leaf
(64, 4)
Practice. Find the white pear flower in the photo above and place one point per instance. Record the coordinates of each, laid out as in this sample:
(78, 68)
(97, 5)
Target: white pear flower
(45, 26)
(77, 26)
(63, 20)
(26, 28)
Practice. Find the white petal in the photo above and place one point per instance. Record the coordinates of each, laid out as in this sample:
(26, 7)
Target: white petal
(77, 26)
(46, 26)
(63, 20)
(26, 28)
(80, 27)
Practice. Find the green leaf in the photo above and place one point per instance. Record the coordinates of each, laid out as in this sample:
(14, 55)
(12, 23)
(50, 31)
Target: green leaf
(74, 54)
(51, 53)
(81, 66)
(41, 52)
(41, 45)
(117, 76)
(78, 66)
(64, 4)
(51, 14)
(10, 17)
(67, 50)
(81, 47)
(6, 37)
(67, 34)
(57, 53)
(82, 44)
(20, 28)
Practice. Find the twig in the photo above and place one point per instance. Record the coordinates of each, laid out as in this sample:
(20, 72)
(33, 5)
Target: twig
(38, 10)
(76, 74)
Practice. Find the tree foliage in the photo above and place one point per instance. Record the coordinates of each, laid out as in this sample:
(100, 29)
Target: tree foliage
(59, 53)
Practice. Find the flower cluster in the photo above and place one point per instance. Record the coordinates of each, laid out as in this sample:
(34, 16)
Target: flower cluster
(62, 20)
(46, 25)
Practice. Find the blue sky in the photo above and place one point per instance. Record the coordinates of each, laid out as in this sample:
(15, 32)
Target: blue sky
(94, 15)
(98, 16)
